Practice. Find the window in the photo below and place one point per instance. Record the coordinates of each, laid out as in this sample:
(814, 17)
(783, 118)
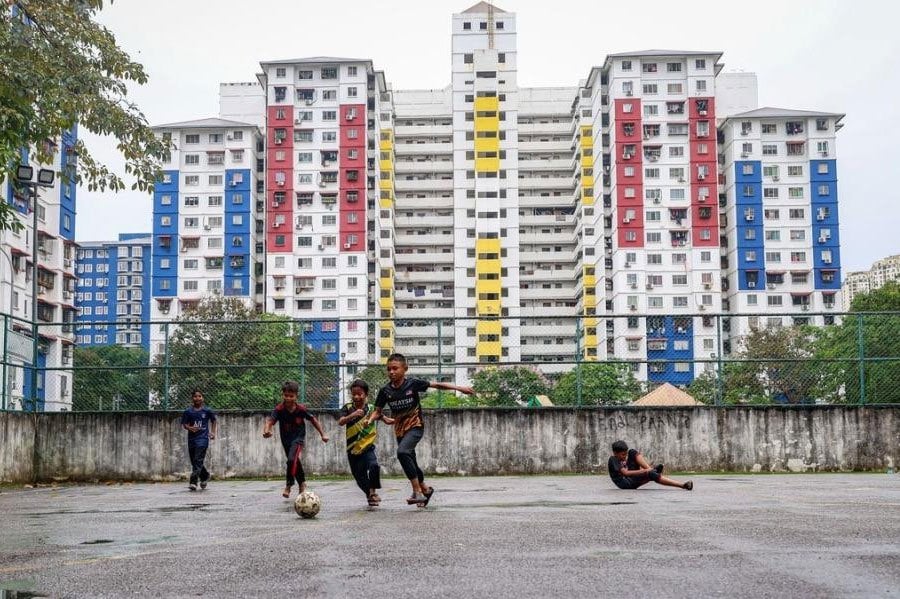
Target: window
(769, 128)
(192, 139)
(701, 85)
(626, 65)
(215, 179)
(329, 73)
(650, 89)
(648, 67)
(213, 201)
(770, 150)
(351, 71)
(304, 74)
(192, 158)
(351, 92)
(700, 64)
(796, 213)
(651, 109)
(192, 180)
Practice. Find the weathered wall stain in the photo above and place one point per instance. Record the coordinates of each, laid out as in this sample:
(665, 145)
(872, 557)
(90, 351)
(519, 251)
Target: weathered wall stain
(483, 441)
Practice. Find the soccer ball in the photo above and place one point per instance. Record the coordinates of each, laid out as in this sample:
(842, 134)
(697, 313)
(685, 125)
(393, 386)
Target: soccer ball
(307, 504)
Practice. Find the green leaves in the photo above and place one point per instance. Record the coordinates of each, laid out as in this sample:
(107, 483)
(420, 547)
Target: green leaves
(607, 383)
(59, 68)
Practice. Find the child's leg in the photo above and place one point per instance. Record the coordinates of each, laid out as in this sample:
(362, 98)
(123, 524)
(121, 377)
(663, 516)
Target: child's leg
(196, 464)
(373, 471)
(670, 482)
(406, 454)
(203, 473)
(295, 468)
(358, 469)
(642, 461)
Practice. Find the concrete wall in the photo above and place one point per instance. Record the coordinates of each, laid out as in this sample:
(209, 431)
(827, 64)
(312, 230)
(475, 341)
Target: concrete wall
(151, 446)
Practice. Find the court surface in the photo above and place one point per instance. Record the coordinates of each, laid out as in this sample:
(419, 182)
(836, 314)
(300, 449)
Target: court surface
(813, 535)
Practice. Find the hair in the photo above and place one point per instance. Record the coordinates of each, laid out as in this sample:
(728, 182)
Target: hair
(619, 446)
(397, 358)
(290, 387)
(195, 391)
(361, 384)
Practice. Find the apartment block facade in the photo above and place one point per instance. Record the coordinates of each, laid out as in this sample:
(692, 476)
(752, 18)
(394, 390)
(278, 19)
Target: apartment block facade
(206, 238)
(53, 243)
(779, 203)
(486, 222)
(882, 271)
(113, 292)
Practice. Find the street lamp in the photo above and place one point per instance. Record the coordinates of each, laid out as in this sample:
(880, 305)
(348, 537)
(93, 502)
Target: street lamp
(45, 178)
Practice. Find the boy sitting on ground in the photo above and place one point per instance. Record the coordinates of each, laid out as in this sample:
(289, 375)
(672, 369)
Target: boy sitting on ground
(629, 470)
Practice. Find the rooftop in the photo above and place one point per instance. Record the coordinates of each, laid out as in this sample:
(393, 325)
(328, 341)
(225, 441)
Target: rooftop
(211, 123)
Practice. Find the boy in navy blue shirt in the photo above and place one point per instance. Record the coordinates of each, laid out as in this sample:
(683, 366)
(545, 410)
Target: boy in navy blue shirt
(291, 418)
(201, 424)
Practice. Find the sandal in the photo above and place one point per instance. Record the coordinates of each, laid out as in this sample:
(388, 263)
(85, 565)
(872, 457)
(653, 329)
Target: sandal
(373, 501)
(428, 495)
(416, 499)
(688, 486)
(375, 497)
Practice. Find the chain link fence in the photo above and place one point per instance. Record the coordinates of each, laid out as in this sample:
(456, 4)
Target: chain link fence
(559, 360)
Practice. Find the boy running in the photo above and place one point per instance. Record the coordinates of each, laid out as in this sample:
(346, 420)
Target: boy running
(201, 424)
(361, 441)
(291, 418)
(401, 395)
(629, 470)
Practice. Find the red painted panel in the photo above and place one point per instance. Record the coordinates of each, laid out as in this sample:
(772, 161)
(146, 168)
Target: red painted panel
(703, 110)
(352, 176)
(629, 151)
(695, 110)
(622, 112)
(279, 120)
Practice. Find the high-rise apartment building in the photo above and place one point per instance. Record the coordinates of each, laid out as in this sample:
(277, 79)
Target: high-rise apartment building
(113, 292)
(486, 223)
(882, 271)
(205, 235)
(779, 204)
(54, 245)
(321, 171)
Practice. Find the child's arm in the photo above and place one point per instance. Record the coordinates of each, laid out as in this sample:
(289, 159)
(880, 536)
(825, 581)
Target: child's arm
(374, 415)
(214, 430)
(452, 387)
(387, 420)
(315, 422)
(642, 471)
(267, 427)
(354, 414)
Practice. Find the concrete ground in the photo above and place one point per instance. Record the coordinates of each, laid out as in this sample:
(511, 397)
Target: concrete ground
(825, 535)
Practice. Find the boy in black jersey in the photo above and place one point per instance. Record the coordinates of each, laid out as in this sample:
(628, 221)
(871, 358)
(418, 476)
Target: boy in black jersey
(291, 418)
(401, 395)
(629, 470)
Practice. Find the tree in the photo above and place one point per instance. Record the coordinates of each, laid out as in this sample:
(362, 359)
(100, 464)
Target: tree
(375, 376)
(608, 383)
(874, 329)
(239, 359)
(509, 386)
(778, 364)
(59, 68)
(110, 377)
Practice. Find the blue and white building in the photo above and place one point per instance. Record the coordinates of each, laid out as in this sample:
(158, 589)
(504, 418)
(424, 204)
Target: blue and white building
(779, 215)
(207, 218)
(54, 242)
(113, 292)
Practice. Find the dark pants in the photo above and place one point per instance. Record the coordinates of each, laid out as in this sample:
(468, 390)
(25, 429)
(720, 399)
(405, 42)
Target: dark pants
(406, 453)
(197, 454)
(294, 471)
(366, 470)
(633, 482)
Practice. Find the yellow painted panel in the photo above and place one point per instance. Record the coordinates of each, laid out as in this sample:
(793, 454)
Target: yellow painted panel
(489, 286)
(488, 327)
(487, 246)
(386, 303)
(488, 307)
(590, 301)
(386, 165)
(487, 165)
(590, 280)
(487, 123)
(487, 144)
(587, 200)
(388, 203)
(590, 340)
(386, 145)
(587, 181)
(385, 184)
(482, 104)
(488, 348)
(589, 322)
(587, 161)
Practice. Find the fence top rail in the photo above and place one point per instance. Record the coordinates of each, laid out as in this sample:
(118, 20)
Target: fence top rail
(276, 319)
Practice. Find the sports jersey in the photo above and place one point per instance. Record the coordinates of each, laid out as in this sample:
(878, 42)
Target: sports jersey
(359, 437)
(404, 404)
(201, 418)
(291, 425)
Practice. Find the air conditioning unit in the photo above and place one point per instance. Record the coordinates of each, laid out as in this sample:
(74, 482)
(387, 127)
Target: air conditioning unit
(321, 247)
(229, 137)
(824, 154)
(628, 265)
(701, 177)
(706, 286)
(350, 116)
(626, 220)
(278, 141)
(326, 163)
(627, 156)
(743, 132)
(770, 286)
(657, 200)
(276, 225)
(646, 137)
(633, 308)
(701, 307)
(298, 290)
(649, 287)
(347, 246)
(823, 239)
(234, 183)
(206, 227)
(751, 285)
(634, 285)
(702, 112)
(280, 183)
(299, 226)
(804, 307)
(183, 250)
(776, 178)
(653, 158)
(309, 101)
(702, 198)
(322, 184)
(745, 155)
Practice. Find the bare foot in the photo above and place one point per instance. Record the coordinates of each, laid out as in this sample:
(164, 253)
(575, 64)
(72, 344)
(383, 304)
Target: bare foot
(286, 493)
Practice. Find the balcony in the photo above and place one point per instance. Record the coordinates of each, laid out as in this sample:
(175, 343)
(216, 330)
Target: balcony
(403, 185)
(423, 258)
(429, 276)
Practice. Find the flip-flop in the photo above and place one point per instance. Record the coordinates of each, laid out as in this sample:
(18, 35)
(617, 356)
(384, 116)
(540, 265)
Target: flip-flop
(415, 500)
(286, 494)
(428, 496)
(373, 501)
(689, 486)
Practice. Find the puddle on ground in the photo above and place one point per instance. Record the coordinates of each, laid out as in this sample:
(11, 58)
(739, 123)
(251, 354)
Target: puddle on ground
(97, 542)
(548, 504)
(190, 507)
(4, 594)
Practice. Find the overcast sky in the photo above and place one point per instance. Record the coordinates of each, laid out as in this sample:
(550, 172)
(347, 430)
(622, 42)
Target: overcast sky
(817, 55)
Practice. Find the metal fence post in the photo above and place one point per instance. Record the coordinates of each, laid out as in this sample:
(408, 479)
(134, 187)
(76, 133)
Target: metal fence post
(303, 373)
(5, 358)
(578, 375)
(720, 383)
(166, 366)
(440, 360)
(862, 358)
